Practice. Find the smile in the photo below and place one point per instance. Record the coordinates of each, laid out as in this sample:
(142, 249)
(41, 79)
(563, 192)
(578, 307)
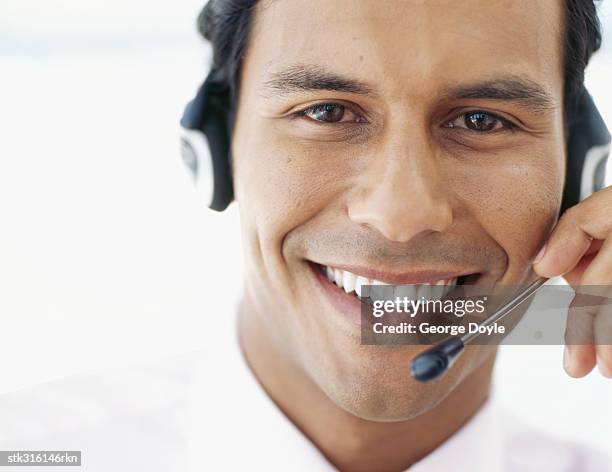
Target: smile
(351, 283)
(342, 285)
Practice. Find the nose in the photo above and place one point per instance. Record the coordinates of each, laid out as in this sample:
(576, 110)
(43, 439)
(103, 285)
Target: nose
(401, 193)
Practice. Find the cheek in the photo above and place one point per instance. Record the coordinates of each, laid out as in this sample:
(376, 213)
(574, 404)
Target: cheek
(515, 199)
(280, 183)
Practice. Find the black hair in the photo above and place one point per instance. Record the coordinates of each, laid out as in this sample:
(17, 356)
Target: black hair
(226, 24)
(582, 39)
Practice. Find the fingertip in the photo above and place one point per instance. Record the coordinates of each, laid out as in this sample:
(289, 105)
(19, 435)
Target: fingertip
(539, 262)
(541, 269)
(605, 371)
(540, 254)
(551, 264)
(605, 366)
(577, 372)
(578, 361)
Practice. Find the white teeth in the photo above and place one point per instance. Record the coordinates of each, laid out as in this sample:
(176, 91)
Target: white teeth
(348, 281)
(408, 291)
(424, 291)
(353, 283)
(450, 285)
(443, 288)
(338, 277)
(378, 282)
(437, 289)
(359, 282)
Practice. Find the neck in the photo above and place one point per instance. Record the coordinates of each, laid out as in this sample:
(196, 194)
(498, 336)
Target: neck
(349, 442)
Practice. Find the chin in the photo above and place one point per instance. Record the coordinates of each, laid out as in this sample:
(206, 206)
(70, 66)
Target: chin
(375, 384)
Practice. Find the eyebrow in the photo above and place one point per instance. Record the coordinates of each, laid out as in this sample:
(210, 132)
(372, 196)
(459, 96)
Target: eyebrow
(522, 90)
(515, 88)
(309, 78)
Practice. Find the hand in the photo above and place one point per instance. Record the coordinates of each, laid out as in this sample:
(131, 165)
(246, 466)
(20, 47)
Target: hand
(580, 249)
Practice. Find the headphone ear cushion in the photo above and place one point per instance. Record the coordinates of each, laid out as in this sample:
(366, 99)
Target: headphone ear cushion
(205, 143)
(217, 131)
(588, 147)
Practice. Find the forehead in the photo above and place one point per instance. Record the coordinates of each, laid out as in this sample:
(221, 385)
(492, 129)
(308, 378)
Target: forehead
(404, 46)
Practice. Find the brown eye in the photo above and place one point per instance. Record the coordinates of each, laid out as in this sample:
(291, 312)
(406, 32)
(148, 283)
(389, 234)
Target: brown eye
(480, 121)
(330, 113)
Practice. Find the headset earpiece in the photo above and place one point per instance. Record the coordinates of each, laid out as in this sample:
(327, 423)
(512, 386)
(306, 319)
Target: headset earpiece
(588, 147)
(205, 142)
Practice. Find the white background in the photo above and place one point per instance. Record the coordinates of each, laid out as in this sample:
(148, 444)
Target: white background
(106, 256)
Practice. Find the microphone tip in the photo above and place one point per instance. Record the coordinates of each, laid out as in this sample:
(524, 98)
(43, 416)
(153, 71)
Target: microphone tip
(436, 360)
(428, 366)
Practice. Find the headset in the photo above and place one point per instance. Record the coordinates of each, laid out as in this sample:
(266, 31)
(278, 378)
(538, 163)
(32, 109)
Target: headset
(206, 129)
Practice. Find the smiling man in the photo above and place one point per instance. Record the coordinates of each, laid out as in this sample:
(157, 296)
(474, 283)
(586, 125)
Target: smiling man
(398, 142)
(423, 143)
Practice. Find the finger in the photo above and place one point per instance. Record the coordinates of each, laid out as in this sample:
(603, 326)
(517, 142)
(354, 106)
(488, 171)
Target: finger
(574, 276)
(597, 279)
(589, 328)
(579, 360)
(572, 237)
(599, 271)
(579, 356)
(603, 337)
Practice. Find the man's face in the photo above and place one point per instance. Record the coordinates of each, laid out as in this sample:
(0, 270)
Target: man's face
(407, 141)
